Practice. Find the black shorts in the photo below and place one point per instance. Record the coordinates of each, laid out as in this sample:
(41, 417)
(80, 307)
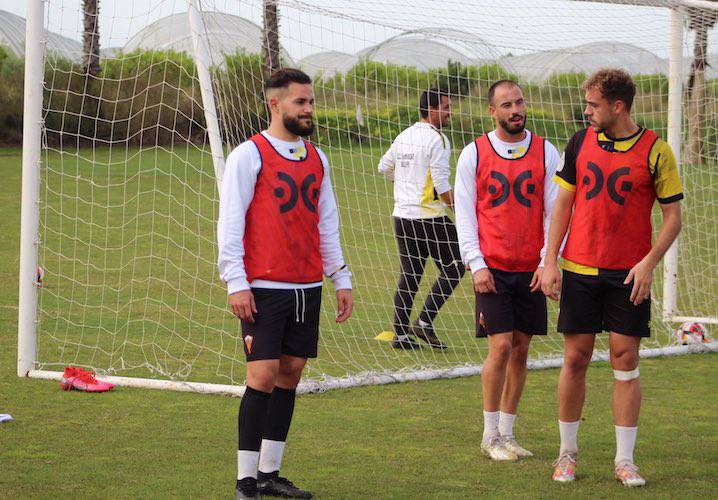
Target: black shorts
(286, 322)
(590, 304)
(514, 307)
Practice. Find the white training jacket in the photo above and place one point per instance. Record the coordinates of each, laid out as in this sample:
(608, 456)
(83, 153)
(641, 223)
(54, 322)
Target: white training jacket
(418, 163)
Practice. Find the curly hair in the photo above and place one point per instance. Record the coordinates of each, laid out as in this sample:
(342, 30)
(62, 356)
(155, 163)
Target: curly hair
(614, 84)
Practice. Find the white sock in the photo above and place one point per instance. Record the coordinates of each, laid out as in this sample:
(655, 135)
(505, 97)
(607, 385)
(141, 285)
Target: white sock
(625, 442)
(506, 424)
(270, 458)
(491, 425)
(247, 462)
(569, 436)
(423, 323)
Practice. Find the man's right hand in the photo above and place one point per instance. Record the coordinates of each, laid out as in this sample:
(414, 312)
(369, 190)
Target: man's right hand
(484, 281)
(243, 305)
(551, 281)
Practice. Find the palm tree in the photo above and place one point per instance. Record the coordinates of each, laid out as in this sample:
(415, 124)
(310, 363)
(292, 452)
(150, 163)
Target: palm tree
(91, 37)
(699, 21)
(270, 39)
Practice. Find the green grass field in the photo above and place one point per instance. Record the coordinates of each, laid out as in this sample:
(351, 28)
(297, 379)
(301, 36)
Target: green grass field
(154, 301)
(131, 284)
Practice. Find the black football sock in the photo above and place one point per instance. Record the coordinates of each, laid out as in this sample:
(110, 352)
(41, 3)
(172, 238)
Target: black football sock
(276, 428)
(251, 419)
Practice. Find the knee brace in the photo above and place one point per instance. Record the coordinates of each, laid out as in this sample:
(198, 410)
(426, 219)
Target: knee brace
(625, 376)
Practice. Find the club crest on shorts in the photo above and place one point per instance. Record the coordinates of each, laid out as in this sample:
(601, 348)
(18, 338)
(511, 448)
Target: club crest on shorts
(248, 343)
(481, 330)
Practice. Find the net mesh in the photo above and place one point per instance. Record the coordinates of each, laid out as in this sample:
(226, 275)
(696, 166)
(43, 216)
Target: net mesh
(129, 199)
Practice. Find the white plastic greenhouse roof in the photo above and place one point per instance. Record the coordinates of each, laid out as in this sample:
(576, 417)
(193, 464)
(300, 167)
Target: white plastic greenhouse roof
(225, 34)
(539, 66)
(12, 36)
(327, 64)
(426, 48)
(431, 48)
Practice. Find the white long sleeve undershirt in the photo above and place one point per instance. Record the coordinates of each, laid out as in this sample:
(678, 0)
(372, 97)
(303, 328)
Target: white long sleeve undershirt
(467, 225)
(237, 191)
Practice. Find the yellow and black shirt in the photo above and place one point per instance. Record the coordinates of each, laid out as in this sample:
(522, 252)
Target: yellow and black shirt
(662, 167)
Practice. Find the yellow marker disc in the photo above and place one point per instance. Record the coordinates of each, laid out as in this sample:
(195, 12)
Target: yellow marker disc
(385, 336)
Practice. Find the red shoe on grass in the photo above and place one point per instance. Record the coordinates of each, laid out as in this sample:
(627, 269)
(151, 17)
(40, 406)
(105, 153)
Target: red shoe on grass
(79, 379)
(67, 377)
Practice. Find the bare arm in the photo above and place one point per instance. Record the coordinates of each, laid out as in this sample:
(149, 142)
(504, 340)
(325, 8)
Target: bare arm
(642, 273)
(670, 228)
(560, 217)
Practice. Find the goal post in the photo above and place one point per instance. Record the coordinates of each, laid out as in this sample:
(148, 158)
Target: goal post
(30, 211)
(205, 80)
(675, 94)
(121, 172)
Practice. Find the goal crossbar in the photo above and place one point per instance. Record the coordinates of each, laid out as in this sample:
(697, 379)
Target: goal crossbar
(314, 386)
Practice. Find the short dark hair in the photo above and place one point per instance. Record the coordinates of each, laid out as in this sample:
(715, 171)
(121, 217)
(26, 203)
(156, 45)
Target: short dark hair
(495, 85)
(430, 99)
(614, 84)
(283, 77)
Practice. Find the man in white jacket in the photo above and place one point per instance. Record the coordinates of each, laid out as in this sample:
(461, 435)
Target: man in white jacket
(278, 235)
(418, 163)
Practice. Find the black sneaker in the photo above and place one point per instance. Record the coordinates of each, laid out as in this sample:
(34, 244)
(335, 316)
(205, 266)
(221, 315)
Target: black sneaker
(426, 333)
(247, 488)
(282, 487)
(405, 343)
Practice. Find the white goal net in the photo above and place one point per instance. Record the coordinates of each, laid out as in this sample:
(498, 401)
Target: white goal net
(130, 162)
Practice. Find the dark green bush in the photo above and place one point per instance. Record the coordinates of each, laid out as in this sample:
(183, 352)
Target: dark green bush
(11, 92)
(140, 98)
(153, 97)
(238, 87)
(651, 85)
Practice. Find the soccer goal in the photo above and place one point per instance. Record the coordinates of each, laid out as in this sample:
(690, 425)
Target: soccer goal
(124, 141)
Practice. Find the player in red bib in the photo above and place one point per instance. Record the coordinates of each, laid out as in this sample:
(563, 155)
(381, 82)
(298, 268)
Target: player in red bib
(278, 235)
(504, 194)
(612, 174)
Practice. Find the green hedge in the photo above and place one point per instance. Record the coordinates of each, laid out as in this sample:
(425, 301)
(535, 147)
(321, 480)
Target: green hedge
(400, 82)
(153, 97)
(141, 98)
(11, 92)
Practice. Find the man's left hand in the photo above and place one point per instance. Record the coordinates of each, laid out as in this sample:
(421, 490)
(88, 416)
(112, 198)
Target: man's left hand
(535, 284)
(642, 276)
(345, 304)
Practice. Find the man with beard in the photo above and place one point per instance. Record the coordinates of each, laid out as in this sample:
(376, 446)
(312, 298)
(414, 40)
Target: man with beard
(278, 234)
(613, 172)
(504, 195)
(418, 163)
